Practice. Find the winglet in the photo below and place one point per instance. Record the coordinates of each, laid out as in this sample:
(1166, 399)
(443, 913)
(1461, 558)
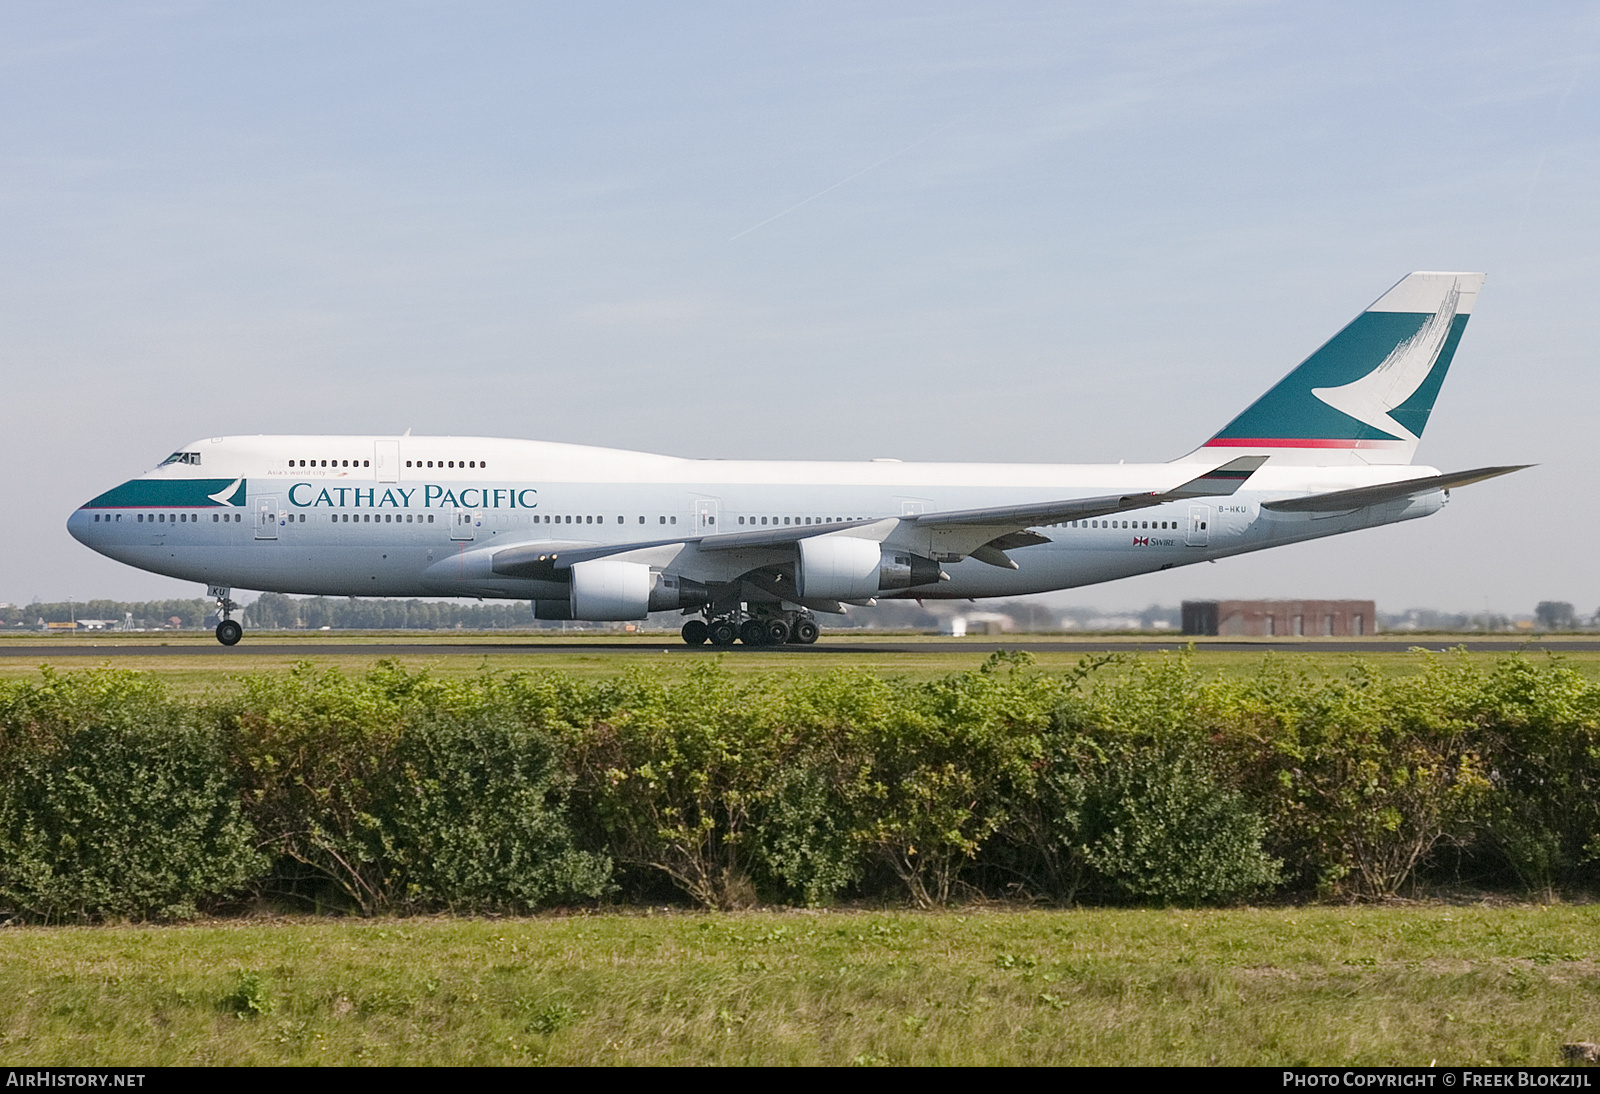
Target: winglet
(1220, 481)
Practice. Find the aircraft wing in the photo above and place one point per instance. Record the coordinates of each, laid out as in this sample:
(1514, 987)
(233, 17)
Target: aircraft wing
(1339, 501)
(1220, 482)
(984, 534)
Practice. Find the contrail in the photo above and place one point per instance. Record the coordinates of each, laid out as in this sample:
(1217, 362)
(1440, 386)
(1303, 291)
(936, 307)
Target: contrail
(841, 182)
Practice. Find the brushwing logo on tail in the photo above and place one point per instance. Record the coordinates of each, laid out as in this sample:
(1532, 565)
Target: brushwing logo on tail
(1370, 399)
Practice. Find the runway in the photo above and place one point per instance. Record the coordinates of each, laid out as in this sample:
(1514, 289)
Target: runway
(828, 646)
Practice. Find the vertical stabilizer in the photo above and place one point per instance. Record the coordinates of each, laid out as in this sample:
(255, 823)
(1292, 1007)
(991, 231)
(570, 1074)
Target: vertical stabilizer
(1365, 396)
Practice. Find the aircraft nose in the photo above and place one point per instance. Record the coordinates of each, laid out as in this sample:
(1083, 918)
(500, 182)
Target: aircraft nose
(78, 525)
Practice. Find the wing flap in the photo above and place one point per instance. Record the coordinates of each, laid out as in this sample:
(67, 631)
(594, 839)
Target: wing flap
(531, 559)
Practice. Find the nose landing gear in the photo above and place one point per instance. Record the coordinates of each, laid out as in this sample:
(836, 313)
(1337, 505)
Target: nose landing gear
(228, 631)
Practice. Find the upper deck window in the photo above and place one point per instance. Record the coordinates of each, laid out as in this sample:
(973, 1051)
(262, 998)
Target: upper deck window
(182, 457)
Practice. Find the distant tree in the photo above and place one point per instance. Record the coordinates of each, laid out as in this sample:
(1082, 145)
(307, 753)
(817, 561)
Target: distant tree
(1555, 615)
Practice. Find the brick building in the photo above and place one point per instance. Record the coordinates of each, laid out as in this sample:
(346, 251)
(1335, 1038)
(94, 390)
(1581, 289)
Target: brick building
(1268, 618)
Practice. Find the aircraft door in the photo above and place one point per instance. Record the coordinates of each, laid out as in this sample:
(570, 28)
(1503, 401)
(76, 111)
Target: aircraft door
(386, 460)
(1199, 532)
(463, 523)
(705, 516)
(267, 517)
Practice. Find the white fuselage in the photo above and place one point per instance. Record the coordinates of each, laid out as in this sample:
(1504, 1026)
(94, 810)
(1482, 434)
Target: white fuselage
(421, 516)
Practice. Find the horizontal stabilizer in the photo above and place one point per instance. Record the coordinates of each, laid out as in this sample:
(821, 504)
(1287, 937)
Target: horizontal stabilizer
(1343, 500)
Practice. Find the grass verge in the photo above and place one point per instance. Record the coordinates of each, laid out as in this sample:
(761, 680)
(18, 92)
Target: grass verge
(1312, 985)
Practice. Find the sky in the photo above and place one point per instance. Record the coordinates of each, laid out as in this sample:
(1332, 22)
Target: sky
(1049, 232)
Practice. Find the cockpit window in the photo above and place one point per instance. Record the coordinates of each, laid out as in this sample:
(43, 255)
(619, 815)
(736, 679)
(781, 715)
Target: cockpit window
(182, 457)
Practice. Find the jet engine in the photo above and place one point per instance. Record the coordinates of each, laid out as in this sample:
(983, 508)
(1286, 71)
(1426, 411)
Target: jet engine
(605, 588)
(846, 568)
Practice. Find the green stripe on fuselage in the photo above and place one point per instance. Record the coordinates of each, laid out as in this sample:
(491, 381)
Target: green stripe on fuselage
(155, 493)
(1289, 410)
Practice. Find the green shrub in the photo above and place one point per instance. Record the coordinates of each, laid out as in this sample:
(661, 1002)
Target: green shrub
(1156, 826)
(114, 802)
(408, 794)
(474, 818)
(670, 778)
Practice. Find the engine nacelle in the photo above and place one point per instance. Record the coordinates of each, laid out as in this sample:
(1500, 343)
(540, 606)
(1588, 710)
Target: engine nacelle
(669, 592)
(846, 568)
(604, 588)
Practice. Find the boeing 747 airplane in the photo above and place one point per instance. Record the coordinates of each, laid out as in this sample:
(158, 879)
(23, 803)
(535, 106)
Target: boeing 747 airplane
(751, 551)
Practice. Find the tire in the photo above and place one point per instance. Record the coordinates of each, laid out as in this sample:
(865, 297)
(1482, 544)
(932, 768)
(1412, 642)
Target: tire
(695, 632)
(722, 633)
(805, 632)
(753, 633)
(777, 632)
(229, 632)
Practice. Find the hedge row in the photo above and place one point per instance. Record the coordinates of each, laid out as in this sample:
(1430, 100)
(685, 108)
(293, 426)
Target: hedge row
(1139, 781)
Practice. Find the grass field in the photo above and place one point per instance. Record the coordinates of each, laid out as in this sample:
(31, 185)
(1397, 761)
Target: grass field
(1316, 985)
(211, 667)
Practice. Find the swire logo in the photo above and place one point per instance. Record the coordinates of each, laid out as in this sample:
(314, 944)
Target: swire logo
(1141, 541)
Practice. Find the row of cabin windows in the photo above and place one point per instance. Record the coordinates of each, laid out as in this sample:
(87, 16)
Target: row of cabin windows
(598, 520)
(387, 518)
(1170, 525)
(477, 464)
(181, 518)
(375, 518)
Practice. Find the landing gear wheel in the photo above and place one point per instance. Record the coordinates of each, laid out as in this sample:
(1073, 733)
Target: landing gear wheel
(722, 633)
(229, 632)
(777, 632)
(753, 633)
(805, 632)
(695, 632)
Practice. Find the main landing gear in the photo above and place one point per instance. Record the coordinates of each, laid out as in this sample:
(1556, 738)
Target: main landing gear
(228, 631)
(762, 628)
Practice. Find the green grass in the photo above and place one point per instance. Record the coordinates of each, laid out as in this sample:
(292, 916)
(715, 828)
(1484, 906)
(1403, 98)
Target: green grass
(1363, 985)
(211, 667)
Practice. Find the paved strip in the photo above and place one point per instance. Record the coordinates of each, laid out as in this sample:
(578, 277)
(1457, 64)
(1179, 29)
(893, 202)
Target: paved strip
(247, 649)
